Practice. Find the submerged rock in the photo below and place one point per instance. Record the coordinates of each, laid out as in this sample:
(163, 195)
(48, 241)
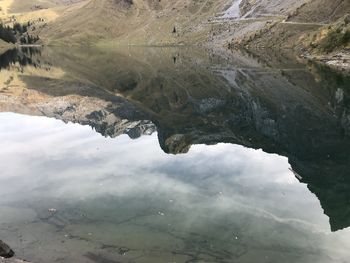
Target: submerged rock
(6, 254)
(12, 260)
(5, 250)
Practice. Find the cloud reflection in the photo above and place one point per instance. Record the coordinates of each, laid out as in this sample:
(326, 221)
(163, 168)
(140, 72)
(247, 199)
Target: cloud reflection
(227, 187)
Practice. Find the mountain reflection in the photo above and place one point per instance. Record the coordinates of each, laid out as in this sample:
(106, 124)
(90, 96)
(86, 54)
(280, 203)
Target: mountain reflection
(23, 56)
(190, 97)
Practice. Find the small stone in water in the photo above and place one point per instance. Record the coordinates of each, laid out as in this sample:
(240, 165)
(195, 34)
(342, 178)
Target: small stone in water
(161, 214)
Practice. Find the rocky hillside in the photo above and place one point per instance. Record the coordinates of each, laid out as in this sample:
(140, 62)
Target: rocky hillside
(331, 43)
(314, 28)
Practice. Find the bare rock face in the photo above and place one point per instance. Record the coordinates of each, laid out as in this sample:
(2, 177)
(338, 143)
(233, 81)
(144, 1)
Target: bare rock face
(5, 250)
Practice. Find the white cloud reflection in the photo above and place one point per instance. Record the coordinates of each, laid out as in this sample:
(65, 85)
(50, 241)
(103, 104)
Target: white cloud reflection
(46, 159)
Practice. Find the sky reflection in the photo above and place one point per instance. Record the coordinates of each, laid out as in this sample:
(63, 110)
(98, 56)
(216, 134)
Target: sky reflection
(238, 198)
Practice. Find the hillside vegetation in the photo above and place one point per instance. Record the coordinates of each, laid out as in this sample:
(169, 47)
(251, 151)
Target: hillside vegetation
(332, 37)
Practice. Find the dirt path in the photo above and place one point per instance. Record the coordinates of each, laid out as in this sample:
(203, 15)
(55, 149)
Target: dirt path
(304, 23)
(264, 17)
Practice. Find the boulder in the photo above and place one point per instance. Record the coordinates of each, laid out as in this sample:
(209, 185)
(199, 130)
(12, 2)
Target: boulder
(5, 250)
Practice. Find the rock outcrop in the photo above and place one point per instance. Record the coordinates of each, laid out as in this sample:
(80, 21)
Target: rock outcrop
(315, 29)
(5, 250)
(7, 254)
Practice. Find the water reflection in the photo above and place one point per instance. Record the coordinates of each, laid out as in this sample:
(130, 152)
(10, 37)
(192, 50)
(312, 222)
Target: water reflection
(127, 201)
(22, 56)
(193, 206)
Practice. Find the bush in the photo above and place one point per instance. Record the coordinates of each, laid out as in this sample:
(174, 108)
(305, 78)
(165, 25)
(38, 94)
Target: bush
(346, 37)
(335, 39)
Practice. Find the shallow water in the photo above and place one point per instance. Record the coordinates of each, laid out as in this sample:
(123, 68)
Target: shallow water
(173, 155)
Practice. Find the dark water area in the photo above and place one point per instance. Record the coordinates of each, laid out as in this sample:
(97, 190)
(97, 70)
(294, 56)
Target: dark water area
(173, 155)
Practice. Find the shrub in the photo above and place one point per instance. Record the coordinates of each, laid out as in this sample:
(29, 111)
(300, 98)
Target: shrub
(334, 39)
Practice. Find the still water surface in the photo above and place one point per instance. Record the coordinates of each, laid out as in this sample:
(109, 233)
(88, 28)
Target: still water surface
(201, 159)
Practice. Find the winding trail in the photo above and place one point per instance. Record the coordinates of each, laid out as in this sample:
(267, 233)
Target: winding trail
(263, 17)
(304, 23)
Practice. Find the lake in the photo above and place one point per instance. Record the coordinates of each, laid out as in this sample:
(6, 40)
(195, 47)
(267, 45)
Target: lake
(173, 155)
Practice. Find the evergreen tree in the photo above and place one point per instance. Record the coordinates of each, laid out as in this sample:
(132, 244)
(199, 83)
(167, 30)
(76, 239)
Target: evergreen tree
(17, 27)
(23, 40)
(7, 34)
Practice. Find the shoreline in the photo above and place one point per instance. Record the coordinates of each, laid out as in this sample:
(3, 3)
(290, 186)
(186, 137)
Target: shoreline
(12, 260)
(339, 61)
(4, 46)
(7, 254)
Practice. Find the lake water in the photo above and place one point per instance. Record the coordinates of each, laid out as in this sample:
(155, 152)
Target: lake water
(173, 155)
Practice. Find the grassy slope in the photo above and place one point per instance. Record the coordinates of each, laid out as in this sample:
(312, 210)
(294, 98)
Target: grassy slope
(144, 22)
(151, 22)
(23, 11)
(323, 11)
(23, 6)
(30, 5)
(26, 10)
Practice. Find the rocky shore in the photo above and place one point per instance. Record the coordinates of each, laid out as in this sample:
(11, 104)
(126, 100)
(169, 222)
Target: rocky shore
(11, 260)
(7, 254)
(339, 61)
